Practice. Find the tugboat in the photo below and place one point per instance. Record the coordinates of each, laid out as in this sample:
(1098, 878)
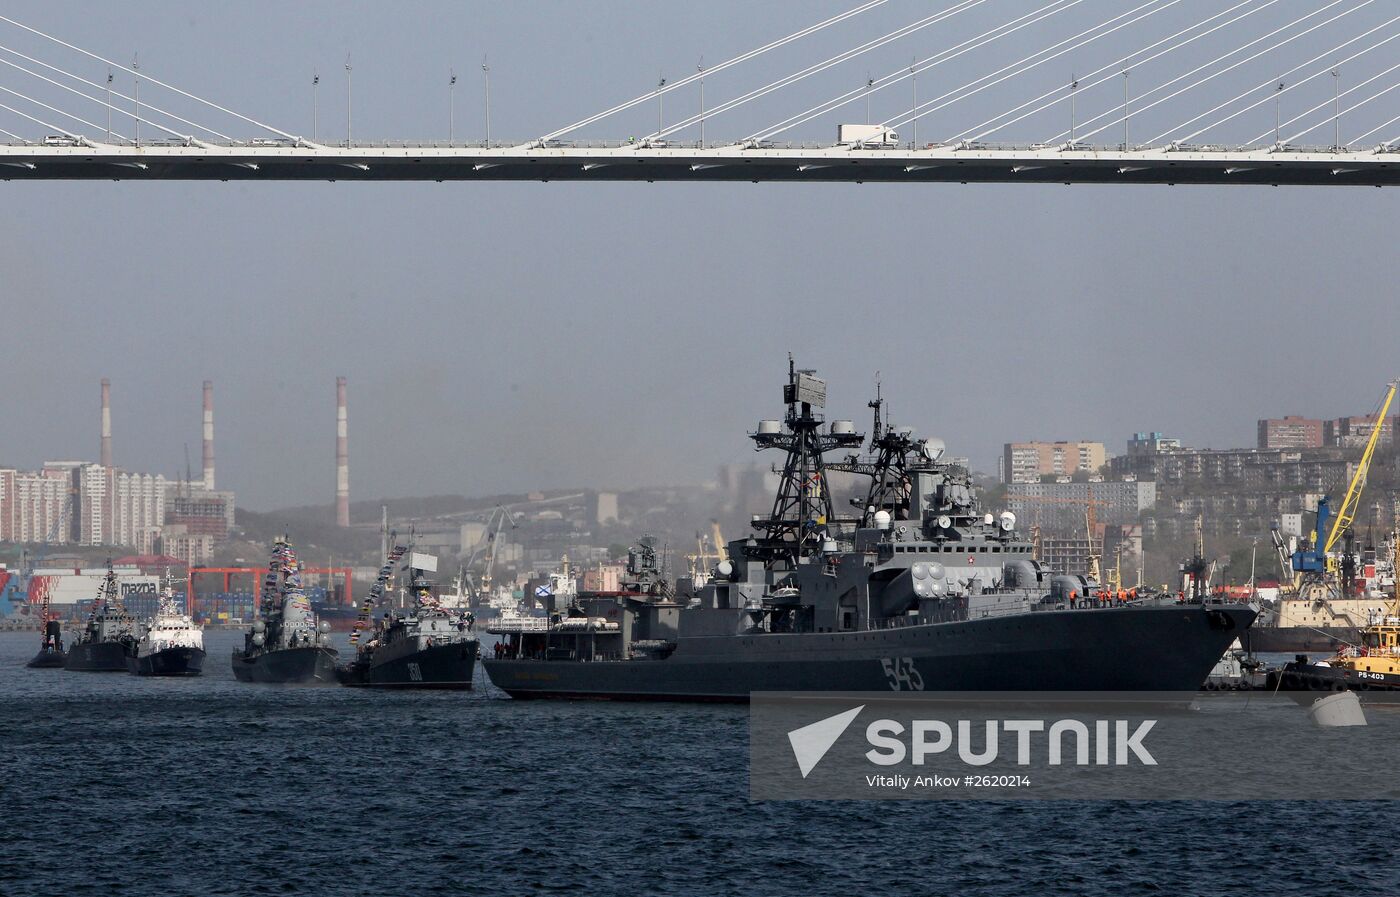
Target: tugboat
(171, 644)
(50, 654)
(918, 590)
(285, 645)
(1371, 668)
(430, 647)
(101, 645)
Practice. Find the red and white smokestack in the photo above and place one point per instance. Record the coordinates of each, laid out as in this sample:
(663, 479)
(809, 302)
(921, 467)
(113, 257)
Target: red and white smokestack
(106, 422)
(209, 435)
(342, 457)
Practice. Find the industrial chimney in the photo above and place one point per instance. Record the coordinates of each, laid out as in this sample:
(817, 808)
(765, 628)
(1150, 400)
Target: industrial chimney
(209, 435)
(106, 422)
(342, 457)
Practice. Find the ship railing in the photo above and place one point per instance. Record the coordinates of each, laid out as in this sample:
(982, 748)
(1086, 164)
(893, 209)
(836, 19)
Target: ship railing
(524, 624)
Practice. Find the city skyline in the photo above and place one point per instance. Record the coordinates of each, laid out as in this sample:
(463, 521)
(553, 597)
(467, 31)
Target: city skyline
(633, 333)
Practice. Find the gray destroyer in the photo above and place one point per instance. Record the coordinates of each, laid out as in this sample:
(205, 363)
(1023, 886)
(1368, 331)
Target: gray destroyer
(919, 591)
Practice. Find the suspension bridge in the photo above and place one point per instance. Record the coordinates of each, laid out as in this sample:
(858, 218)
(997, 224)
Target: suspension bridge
(1197, 80)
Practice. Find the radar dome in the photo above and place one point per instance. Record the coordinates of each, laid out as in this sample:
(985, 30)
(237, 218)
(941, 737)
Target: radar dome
(882, 520)
(724, 570)
(258, 638)
(933, 448)
(842, 428)
(769, 427)
(1008, 521)
(259, 625)
(944, 521)
(987, 519)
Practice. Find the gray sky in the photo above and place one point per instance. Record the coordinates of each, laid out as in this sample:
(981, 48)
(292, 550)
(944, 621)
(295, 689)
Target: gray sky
(509, 336)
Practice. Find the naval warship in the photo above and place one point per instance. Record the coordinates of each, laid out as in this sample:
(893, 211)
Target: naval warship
(171, 644)
(917, 590)
(101, 645)
(429, 646)
(285, 645)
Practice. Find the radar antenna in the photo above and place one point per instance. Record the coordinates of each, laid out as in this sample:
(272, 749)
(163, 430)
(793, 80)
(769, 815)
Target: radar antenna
(802, 511)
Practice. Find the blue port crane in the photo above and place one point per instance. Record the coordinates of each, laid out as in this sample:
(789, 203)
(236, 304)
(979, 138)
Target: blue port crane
(1313, 561)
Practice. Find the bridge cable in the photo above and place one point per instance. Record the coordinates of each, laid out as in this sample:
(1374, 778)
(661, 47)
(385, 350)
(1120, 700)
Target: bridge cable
(1241, 62)
(1363, 103)
(116, 93)
(1206, 65)
(1023, 67)
(1319, 74)
(13, 135)
(1381, 127)
(742, 57)
(819, 67)
(1221, 58)
(1184, 76)
(64, 131)
(53, 109)
(922, 65)
(1115, 68)
(1338, 96)
(78, 92)
(1286, 89)
(153, 80)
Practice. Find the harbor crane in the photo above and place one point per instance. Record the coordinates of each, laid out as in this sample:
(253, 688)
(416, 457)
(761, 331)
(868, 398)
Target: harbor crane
(1313, 564)
(499, 516)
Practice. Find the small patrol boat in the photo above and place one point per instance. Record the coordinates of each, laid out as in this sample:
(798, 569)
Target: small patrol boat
(171, 644)
(101, 645)
(286, 644)
(431, 646)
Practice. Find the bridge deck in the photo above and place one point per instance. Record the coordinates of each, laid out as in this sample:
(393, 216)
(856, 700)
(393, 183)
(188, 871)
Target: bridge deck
(404, 162)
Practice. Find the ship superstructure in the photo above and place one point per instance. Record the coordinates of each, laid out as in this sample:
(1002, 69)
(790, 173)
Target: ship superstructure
(919, 590)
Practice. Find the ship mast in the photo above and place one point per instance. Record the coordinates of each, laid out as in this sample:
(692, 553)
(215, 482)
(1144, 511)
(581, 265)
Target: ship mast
(887, 468)
(802, 511)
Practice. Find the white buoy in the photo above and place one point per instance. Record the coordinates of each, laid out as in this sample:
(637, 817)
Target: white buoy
(1340, 709)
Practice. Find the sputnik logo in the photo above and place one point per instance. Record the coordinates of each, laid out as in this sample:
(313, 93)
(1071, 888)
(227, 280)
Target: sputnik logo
(811, 742)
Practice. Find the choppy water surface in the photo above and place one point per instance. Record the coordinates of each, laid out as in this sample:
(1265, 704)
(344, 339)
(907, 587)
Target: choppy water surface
(117, 785)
